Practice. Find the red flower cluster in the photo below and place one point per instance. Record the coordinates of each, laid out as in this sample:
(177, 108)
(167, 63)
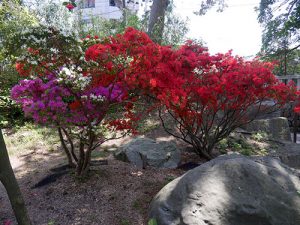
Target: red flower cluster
(70, 5)
(189, 82)
(22, 70)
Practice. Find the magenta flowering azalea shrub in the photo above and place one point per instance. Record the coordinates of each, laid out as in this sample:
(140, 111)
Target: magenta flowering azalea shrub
(79, 113)
(86, 101)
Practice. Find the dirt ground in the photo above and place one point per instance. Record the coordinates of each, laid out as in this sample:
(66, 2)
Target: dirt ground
(114, 194)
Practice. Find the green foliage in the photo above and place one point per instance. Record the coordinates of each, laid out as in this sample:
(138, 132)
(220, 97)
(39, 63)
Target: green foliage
(259, 136)
(10, 113)
(147, 125)
(235, 144)
(223, 145)
(14, 18)
(152, 221)
(256, 144)
(51, 222)
(239, 145)
(125, 222)
(288, 62)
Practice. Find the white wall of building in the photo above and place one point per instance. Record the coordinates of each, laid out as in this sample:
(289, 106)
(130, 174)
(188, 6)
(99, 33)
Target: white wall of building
(103, 9)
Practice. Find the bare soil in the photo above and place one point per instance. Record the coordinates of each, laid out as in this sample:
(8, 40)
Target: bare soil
(113, 194)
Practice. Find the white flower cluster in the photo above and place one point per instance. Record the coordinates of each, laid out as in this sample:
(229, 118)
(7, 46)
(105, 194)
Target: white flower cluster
(214, 69)
(74, 77)
(54, 50)
(123, 60)
(98, 98)
(198, 71)
(94, 98)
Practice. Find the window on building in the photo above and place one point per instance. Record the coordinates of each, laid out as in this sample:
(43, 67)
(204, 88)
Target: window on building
(112, 3)
(88, 3)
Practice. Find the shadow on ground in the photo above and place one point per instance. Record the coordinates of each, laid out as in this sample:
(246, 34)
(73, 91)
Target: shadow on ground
(114, 194)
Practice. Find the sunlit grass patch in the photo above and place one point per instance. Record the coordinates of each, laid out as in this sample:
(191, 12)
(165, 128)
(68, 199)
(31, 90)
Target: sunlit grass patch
(30, 137)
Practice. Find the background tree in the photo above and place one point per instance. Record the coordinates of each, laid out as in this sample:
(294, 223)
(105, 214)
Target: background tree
(53, 13)
(161, 20)
(14, 18)
(8, 179)
(175, 28)
(281, 36)
(208, 4)
(157, 20)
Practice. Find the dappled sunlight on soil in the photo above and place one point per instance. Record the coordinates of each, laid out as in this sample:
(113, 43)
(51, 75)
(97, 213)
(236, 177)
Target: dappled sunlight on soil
(115, 194)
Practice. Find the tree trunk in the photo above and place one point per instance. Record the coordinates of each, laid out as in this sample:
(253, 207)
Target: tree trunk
(8, 179)
(157, 19)
(65, 148)
(124, 13)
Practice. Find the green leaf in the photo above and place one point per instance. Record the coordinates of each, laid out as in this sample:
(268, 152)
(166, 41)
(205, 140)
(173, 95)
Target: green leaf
(152, 221)
(65, 3)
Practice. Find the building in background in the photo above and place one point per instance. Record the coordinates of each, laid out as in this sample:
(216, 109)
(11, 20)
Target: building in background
(110, 9)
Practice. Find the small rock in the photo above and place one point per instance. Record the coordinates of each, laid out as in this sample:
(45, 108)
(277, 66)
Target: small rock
(143, 152)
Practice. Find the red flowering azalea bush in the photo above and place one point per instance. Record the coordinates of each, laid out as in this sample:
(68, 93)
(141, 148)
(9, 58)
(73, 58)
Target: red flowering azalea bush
(217, 94)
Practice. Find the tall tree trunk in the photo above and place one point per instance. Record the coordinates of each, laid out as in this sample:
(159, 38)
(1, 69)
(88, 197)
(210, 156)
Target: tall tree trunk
(285, 61)
(8, 179)
(156, 20)
(124, 13)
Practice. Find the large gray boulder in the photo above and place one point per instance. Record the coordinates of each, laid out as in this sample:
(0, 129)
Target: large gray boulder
(231, 190)
(288, 153)
(143, 152)
(276, 128)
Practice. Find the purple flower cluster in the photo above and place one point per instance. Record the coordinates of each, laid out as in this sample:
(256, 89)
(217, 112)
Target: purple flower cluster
(48, 101)
(113, 93)
(43, 101)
